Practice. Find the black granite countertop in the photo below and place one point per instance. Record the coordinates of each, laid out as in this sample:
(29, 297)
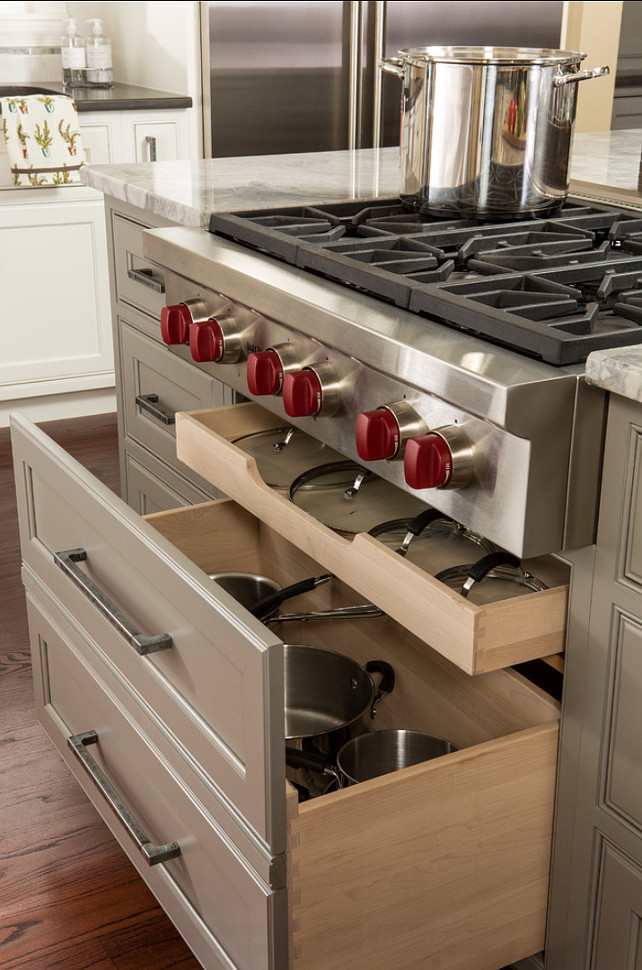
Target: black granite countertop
(120, 97)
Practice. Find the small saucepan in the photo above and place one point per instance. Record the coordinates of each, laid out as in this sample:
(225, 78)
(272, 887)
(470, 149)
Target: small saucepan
(262, 596)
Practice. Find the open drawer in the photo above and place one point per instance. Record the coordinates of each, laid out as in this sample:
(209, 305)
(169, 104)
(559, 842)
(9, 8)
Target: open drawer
(443, 864)
(475, 638)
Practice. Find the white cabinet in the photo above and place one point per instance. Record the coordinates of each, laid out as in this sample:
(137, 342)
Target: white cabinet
(57, 358)
(113, 137)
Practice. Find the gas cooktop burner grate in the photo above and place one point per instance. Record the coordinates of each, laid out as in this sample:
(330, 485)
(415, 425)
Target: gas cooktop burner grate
(554, 288)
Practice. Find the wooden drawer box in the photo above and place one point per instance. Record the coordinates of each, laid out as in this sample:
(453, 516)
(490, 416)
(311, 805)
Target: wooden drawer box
(475, 638)
(444, 863)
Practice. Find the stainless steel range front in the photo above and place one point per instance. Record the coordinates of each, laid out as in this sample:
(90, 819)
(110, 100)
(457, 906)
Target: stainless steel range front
(445, 356)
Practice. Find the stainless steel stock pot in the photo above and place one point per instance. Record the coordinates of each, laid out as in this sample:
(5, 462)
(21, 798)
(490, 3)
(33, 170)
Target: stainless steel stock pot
(486, 131)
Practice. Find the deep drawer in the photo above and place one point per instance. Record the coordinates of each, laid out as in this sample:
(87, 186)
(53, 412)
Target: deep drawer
(138, 281)
(208, 889)
(476, 638)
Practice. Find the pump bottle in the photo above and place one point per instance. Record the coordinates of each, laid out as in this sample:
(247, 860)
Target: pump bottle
(72, 55)
(100, 73)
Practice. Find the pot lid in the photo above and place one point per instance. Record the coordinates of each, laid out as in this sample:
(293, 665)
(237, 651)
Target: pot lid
(499, 583)
(443, 543)
(492, 55)
(349, 498)
(281, 454)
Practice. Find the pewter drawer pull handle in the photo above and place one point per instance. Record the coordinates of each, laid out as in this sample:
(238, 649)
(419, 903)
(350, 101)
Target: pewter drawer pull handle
(146, 277)
(149, 402)
(152, 853)
(150, 141)
(142, 644)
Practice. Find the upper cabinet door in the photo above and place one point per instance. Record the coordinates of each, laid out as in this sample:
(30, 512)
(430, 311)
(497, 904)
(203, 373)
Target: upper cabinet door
(210, 673)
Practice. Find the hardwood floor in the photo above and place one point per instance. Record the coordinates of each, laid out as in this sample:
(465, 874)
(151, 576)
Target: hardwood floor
(69, 897)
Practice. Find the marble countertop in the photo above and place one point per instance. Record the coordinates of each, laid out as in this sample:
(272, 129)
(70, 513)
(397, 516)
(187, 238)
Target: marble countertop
(188, 192)
(618, 371)
(607, 164)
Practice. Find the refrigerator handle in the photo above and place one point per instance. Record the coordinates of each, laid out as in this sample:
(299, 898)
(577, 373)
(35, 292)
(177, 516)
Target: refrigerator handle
(354, 95)
(379, 54)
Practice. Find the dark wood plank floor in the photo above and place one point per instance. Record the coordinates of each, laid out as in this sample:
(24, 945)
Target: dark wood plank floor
(69, 897)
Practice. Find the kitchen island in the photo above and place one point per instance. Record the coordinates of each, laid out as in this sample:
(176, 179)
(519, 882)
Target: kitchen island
(511, 794)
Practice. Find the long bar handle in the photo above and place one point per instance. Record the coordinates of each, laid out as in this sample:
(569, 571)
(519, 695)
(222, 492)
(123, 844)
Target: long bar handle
(149, 403)
(151, 852)
(68, 562)
(379, 53)
(354, 94)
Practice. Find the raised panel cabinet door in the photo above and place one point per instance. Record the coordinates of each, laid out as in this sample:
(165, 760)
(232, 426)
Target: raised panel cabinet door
(97, 143)
(617, 939)
(213, 674)
(156, 141)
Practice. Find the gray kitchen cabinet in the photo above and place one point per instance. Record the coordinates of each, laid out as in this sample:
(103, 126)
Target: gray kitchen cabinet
(155, 685)
(152, 384)
(596, 908)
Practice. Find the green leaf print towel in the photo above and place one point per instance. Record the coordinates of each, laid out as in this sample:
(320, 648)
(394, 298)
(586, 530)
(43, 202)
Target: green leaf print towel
(43, 140)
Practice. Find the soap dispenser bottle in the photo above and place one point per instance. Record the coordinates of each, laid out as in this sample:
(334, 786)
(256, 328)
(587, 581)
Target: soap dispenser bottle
(72, 55)
(100, 73)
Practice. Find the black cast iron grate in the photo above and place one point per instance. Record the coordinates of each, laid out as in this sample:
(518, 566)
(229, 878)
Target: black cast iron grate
(554, 288)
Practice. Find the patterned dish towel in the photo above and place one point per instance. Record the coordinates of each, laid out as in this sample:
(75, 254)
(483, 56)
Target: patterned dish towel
(43, 139)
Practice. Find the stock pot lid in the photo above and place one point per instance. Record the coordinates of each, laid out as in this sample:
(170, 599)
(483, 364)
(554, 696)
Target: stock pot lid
(349, 498)
(442, 544)
(492, 55)
(283, 453)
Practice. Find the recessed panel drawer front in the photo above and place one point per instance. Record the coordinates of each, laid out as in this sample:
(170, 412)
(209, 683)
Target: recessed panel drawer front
(221, 905)
(139, 282)
(213, 672)
(153, 486)
(475, 638)
(157, 384)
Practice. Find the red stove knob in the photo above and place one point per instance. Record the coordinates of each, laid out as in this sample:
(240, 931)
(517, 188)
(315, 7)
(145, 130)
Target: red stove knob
(264, 372)
(206, 341)
(440, 459)
(378, 434)
(175, 323)
(302, 393)
(217, 339)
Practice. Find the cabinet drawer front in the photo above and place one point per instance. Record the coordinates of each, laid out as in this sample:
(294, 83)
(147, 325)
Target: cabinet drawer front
(138, 281)
(219, 685)
(165, 384)
(220, 904)
(152, 486)
(476, 638)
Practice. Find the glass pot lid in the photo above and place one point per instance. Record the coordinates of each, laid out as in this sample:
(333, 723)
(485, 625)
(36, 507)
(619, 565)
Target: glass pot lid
(433, 541)
(497, 576)
(281, 454)
(349, 498)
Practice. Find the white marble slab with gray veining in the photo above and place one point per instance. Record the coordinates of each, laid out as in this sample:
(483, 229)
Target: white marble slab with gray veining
(188, 192)
(618, 370)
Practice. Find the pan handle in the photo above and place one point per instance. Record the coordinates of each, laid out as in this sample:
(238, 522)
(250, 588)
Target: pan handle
(483, 566)
(312, 761)
(269, 603)
(386, 684)
(560, 79)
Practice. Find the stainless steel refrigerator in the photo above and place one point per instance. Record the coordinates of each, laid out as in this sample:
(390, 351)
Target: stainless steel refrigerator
(303, 76)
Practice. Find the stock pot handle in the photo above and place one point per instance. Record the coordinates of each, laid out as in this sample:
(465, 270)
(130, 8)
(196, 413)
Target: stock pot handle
(392, 65)
(561, 79)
